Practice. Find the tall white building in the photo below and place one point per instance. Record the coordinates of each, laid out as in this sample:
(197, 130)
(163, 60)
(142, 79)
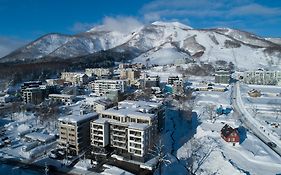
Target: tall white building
(102, 87)
(130, 128)
(262, 77)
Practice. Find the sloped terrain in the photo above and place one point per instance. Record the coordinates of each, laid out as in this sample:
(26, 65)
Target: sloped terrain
(161, 43)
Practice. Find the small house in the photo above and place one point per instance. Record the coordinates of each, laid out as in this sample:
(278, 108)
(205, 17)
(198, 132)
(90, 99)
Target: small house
(230, 134)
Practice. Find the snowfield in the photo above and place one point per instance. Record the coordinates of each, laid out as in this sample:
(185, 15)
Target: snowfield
(215, 156)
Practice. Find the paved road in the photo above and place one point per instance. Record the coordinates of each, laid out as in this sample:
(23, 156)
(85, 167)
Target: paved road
(250, 122)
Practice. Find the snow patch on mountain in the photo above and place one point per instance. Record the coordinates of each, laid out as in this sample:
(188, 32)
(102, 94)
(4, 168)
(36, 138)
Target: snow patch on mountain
(166, 54)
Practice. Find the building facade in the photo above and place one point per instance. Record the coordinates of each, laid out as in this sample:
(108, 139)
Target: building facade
(130, 128)
(75, 78)
(222, 77)
(262, 77)
(74, 132)
(62, 98)
(102, 87)
(98, 72)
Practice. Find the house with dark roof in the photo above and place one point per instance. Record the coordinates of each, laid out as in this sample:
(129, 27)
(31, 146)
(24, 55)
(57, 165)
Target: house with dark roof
(230, 134)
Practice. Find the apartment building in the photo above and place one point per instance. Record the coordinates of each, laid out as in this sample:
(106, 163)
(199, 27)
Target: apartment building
(102, 87)
(130, 74)
(75, 78)
(172, 79)
(32, 95)
(262, 77)
(130, 128)
(62, 98)
(222, 77)
(151, 81)
(99, 72)
(74, 132)
(34, 92)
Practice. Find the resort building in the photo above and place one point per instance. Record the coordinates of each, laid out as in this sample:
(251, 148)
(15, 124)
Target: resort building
(74, 132)
(130, 128)
(102, 87)
(262, 77)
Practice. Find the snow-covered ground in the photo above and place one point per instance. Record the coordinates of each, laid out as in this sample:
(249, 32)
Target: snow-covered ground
(212, 155)
(265, 109)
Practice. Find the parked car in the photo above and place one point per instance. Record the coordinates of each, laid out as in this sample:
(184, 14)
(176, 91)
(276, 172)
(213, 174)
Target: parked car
(271, 144)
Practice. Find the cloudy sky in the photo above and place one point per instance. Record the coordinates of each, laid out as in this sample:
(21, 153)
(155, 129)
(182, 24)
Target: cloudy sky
(25, 20)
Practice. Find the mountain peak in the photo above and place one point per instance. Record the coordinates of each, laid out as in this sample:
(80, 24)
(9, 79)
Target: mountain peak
(171, 24)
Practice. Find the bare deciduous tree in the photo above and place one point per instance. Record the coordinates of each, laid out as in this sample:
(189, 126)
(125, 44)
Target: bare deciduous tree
(210, 110)
(161, 156)
(198, 154)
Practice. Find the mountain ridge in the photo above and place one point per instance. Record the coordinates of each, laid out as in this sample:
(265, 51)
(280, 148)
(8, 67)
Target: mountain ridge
(148, 41)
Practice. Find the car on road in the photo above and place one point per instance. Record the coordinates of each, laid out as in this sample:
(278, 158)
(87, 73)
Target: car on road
(271, 144)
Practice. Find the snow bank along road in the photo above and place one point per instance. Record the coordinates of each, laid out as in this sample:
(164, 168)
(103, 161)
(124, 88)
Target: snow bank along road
(250, 122)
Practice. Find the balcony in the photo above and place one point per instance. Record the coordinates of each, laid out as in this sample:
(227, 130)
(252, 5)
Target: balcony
(97, 133)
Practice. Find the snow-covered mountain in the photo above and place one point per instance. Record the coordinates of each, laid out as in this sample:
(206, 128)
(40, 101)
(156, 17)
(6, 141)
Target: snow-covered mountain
(159, 43)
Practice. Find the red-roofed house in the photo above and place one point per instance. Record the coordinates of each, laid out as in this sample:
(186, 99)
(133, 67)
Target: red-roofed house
(230, 134)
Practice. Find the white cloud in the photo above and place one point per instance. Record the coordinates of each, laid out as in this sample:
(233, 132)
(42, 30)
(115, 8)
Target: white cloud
(9, 44)
(81, 27)
(255, 9)
(121, 24)
(224, 9)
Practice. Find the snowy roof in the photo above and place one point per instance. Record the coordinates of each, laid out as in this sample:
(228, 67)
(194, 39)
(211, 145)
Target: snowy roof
(100, 121)
(138, 126)
(39, 136)
(227, 130)
(138, 109)
(61, 95)
(78, 118)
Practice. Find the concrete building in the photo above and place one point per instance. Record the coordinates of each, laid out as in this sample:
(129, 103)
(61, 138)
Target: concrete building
(34, 92)
(100, 73)
(130, 128)
(32, 95)
(62, 98)
(75, 78)
(130, 74)
(172, 79)
(102, 87)
(151, 81)
(74, 132)
(262, 77)
(99, 104)
(54, 82)
(222, 77)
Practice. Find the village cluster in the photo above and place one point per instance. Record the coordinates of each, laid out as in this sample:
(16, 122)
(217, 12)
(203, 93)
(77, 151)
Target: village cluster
(82, 120)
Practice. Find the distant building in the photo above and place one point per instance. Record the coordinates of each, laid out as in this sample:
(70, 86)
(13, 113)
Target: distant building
(74, 132)
(151, 81)
(99, 105)
(75, 78)
(62, 98)
(262, 77)
(230, 134)
(254, 93)
(130, 74)
(100, 73)
(130, 128)
(32, 95)
(134, 66)
(222, 77)
(54, 82)
(34, 92)
(172, 79)
(31, 84)
(102, 87)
